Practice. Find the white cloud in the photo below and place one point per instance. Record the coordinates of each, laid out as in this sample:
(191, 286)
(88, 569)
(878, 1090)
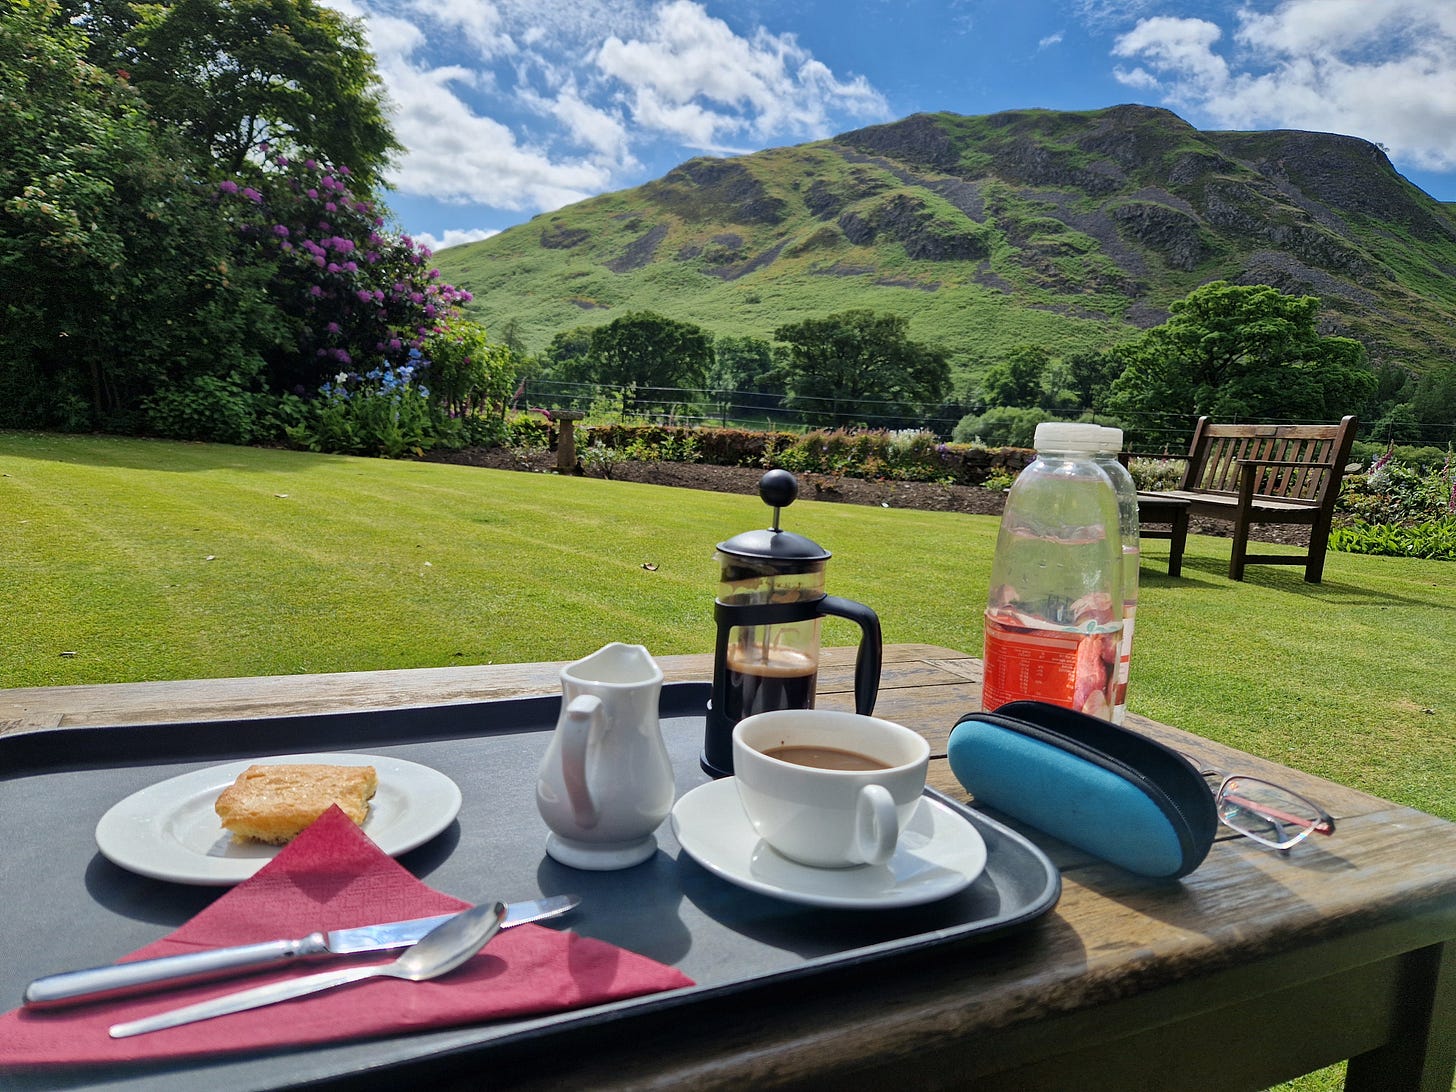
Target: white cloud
(453, 237)
(1385, 71)
(1180, 46)
(528, 105)
(479, 21)
(691, 78)
(1050, 40)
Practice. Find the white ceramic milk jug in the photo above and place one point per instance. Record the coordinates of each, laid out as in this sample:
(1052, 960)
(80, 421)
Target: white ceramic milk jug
(606, 782)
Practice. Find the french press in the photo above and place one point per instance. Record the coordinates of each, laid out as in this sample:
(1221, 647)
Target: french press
(770, 602)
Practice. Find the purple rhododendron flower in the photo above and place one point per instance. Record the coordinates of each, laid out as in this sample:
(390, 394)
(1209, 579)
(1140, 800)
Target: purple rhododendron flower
(253, 195)
(335, 328)
(315, 291)
(227, 185)
(313, 195)
(280, 230)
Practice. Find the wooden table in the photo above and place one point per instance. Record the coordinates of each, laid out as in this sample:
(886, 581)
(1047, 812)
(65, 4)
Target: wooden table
(1258, 967)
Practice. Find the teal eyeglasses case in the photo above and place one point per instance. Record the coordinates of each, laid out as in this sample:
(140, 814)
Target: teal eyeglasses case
(1112, 792)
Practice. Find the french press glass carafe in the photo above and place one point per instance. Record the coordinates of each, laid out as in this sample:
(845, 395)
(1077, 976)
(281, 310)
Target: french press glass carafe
(770, 602)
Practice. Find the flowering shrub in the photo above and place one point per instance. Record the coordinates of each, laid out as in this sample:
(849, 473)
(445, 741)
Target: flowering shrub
(357, 297)
(361, 306)
(384, 412)
(1399, 510)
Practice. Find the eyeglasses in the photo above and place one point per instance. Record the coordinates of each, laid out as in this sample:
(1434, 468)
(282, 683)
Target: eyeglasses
(1268, 813)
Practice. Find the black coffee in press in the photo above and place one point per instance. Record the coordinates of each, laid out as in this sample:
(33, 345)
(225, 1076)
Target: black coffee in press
(785, 681)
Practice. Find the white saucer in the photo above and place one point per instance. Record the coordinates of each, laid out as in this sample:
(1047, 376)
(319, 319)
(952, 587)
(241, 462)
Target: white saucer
(939, 854)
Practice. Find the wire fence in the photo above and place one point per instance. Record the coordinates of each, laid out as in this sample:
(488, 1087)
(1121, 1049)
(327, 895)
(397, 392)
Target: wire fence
(695, 406)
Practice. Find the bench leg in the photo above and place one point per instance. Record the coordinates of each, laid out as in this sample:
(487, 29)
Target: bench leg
(1177, 539)
(1240, 547)
(1319, 543)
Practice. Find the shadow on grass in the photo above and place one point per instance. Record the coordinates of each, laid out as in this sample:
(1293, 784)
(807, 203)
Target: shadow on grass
(1209, 573)
(147, 453)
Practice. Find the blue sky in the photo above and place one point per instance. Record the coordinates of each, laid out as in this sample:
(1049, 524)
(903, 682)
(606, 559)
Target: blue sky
(509, 108)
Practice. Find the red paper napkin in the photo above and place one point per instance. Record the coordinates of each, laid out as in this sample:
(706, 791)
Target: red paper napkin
(333, 877)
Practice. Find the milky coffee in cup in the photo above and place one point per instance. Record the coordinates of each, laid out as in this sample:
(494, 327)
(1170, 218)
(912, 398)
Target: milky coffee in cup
(827, 788)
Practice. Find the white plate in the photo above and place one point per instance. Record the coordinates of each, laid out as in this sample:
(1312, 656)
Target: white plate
(939, 854)
(169, 830)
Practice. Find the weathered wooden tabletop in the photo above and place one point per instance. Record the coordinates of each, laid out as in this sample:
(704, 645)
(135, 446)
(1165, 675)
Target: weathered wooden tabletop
(1257, 967)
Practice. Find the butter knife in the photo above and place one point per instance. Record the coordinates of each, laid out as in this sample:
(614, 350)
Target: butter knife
(70, 987)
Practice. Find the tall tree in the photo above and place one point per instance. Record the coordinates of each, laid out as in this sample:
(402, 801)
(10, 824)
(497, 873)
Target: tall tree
(861, 365)
(642, 349)
(115, 271)
(1016, 380)
(231, 74)
(1241, 351)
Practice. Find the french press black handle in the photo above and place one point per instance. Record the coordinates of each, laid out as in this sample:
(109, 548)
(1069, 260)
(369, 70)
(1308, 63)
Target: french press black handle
(871, 649)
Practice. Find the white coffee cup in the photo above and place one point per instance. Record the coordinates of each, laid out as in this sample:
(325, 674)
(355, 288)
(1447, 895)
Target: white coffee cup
(828, 818)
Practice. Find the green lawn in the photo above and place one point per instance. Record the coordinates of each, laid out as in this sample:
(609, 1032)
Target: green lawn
(133, 559)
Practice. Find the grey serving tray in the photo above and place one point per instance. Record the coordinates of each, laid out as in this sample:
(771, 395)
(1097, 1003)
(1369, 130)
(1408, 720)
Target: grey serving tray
(64, 906)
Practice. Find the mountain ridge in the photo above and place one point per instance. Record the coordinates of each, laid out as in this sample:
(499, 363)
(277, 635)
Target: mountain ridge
(1074, 230)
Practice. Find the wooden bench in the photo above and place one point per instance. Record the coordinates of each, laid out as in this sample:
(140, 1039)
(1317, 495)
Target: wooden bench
(1249, 474)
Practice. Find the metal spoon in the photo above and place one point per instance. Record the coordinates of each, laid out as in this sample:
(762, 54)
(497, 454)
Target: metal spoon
(438, 952)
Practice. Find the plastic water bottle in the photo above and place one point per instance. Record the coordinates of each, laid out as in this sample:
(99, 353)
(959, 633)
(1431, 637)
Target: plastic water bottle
(1127, 520)
(1054, 612)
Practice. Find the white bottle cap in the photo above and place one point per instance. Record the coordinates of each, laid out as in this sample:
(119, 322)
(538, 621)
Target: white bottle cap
(1068, 436)
(1111, 442)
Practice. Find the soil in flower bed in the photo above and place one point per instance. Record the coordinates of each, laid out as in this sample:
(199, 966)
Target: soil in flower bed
(925, 496)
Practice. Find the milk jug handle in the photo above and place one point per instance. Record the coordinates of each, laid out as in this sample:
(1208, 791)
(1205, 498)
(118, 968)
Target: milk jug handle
(871, 649)
(578, 721)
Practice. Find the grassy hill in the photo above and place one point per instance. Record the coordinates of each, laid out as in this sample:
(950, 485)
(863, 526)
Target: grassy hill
(1072, 230)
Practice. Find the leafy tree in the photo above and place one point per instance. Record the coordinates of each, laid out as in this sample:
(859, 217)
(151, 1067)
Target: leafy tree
(231, 74)
(858, 363)
(1433, 404)
(1241, 352)
(116, 275)
(741, 364)
(643, 349)
(1089, 374)
(1016, 380)
(566, 358)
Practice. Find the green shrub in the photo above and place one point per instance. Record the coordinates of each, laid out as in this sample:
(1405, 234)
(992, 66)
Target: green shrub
(205, 407)
(1001, 426)
(1151, 475)
(1433, 540)
(528, 431)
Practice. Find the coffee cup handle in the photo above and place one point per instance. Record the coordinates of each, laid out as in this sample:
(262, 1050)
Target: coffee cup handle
(877, 827)
(871, 649)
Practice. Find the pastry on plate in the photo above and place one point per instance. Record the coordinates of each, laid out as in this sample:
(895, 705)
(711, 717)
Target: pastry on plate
(275, 803)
